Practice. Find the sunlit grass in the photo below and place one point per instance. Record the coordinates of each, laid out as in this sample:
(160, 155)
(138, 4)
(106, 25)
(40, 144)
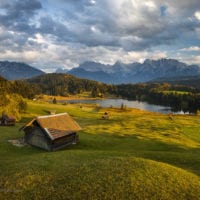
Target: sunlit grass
(116, 178)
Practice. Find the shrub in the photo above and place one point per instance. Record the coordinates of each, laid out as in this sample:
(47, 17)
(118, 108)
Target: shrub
(13, 104)
(54, 101)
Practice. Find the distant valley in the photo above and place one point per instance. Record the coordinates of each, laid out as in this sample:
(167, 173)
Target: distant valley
(177, 93)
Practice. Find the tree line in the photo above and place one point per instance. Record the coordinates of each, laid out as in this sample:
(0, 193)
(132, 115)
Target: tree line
(178, 97)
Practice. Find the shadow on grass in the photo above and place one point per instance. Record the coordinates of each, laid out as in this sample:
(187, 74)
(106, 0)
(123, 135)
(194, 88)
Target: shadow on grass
(180, 156)
(103, 146)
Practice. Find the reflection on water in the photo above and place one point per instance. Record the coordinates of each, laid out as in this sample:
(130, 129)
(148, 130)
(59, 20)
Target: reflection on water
(128, 103)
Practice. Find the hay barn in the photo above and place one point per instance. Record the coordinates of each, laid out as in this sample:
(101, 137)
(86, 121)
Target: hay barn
(51, 132)
(6, 120)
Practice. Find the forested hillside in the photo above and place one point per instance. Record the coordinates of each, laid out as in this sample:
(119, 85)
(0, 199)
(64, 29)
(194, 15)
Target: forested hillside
(189, 81)
(20, 87)
(65, 84)
(11, 97)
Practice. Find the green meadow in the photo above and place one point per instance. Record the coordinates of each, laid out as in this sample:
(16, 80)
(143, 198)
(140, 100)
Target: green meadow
(132, 155)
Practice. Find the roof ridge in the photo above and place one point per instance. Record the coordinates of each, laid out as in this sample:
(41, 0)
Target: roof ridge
(47, 116)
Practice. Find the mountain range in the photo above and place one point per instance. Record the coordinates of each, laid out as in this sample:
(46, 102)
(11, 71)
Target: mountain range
(133, 72)
(17, 70)
(113, 74)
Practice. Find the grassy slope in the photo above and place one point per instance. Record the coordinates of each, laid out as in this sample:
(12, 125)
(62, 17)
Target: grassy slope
(134, 154)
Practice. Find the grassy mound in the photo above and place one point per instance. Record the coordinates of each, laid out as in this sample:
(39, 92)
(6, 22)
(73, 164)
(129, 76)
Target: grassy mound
(116, 178)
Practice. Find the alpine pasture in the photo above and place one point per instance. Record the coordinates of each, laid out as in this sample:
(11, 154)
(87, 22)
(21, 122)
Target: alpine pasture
(132, 155)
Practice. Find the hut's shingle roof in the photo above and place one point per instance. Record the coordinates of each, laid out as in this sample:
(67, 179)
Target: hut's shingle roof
(57, 125)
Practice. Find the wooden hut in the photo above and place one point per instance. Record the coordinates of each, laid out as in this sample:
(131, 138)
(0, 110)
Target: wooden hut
(6, 120)
(105, 116)
(51, 132)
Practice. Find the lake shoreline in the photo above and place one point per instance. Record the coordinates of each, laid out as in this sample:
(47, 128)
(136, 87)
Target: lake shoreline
(114, 102)
(124, 104)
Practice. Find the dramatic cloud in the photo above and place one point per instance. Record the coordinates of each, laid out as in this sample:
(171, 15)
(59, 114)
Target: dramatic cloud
(17, 15)
(193, 48)
(197, 15)
(63, 33)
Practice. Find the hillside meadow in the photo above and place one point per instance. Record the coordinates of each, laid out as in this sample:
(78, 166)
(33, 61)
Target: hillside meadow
(132, 155)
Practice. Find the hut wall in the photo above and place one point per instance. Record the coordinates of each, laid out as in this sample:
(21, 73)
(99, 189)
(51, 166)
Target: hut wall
(64, 141)
(37, 138)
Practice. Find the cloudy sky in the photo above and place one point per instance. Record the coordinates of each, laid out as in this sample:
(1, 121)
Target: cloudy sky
(49, 34)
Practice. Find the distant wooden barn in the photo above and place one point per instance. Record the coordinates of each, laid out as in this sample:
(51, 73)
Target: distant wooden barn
(51, 132)
(6, 120)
